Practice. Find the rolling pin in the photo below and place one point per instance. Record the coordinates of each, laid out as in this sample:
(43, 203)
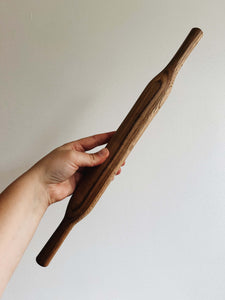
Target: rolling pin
(96, 179)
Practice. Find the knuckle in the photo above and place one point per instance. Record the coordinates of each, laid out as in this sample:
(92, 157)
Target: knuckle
(92, 159)
(71, 155)
(77, 147)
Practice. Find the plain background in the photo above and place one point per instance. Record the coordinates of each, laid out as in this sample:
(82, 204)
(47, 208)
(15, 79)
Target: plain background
(70, 69)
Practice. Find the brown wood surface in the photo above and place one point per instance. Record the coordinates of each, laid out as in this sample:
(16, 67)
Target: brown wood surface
(96, 179)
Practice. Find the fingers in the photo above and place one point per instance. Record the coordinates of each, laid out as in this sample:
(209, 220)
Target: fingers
(93, 141)
(83, 159)
(118, 172)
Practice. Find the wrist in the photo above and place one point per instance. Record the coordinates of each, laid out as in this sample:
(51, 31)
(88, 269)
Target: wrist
(38, 187)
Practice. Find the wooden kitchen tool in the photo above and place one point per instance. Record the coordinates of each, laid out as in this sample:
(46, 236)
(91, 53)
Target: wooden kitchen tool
(96, 179)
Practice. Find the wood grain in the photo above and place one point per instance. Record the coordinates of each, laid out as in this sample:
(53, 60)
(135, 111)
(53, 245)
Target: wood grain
(96, 179)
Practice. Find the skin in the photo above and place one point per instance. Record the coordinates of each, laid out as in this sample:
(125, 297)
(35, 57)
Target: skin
(24, 202)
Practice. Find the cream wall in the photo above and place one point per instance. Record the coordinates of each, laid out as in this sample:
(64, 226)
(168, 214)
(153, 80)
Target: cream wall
(70, 69)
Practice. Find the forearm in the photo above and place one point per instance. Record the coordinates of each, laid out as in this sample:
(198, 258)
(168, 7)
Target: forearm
(22, 205)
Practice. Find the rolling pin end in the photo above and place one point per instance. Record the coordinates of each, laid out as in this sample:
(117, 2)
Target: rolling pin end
(53, 244)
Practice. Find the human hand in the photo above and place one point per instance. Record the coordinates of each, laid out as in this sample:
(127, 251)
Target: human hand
(62, 169)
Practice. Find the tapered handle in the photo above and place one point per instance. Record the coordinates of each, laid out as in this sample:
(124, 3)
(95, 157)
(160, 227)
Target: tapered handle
(185, 49)
(51, 247)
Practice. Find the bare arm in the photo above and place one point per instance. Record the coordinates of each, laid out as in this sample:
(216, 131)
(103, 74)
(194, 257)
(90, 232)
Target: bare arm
(24, 202)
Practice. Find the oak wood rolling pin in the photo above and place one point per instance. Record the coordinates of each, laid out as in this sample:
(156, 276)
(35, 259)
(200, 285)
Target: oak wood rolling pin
(96, 179)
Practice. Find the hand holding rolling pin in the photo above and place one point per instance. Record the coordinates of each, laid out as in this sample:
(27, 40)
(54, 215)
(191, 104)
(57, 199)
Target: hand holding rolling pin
(62, 169)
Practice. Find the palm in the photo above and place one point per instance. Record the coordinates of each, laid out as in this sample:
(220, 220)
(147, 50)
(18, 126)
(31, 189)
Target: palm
(63, 189)
(63, 175)
(64, 166)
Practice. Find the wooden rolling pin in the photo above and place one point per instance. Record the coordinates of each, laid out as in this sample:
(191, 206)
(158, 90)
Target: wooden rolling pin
(96, 179)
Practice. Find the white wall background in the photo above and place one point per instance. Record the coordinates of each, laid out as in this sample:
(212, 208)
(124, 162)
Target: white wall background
(69, 69)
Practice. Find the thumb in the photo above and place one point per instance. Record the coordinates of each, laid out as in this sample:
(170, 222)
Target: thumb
(91, 159)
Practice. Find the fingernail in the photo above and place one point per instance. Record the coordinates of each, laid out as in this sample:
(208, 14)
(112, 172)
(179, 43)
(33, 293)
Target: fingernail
(103, 152)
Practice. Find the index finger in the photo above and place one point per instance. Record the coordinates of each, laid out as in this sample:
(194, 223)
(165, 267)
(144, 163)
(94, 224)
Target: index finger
(93, 141)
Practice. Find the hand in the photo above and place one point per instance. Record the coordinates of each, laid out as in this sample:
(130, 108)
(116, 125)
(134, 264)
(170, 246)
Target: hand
(62, 168)
(24, 201)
